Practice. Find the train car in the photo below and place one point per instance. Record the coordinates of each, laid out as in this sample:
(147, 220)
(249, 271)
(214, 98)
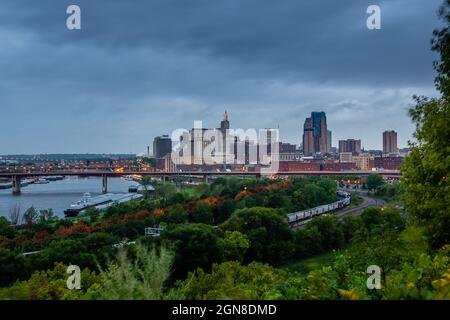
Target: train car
(296, 217)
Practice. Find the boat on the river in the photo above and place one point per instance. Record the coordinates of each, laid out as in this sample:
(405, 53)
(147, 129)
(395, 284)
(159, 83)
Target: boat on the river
(99, 202)
(140, 189)
(41, 181)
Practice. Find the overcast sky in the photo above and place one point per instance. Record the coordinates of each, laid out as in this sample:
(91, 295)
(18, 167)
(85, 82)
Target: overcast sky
(138, 69)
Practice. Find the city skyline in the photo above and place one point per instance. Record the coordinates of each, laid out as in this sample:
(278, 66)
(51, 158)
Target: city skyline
(111, 87)
(225, 124)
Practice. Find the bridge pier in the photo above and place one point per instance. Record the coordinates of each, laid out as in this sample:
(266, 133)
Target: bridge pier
(16, 184)
(104, 183)
(205, 178)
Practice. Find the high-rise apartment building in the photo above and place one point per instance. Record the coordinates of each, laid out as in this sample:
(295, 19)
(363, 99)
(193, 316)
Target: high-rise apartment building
(350, 145)
(390, 142)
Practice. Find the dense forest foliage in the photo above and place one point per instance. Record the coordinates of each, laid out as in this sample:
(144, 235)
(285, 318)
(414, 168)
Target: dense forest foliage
(203, 225)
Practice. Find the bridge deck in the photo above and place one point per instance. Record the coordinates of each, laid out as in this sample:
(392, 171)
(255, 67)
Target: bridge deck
(392, 173)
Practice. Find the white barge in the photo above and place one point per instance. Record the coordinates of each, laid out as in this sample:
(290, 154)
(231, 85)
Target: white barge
(99, 202)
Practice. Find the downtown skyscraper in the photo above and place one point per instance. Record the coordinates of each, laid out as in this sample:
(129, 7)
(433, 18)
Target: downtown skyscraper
(390, 142)
(315, 134)
(162, 145)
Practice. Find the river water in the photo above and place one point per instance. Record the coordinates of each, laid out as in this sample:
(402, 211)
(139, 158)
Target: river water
(58, 195)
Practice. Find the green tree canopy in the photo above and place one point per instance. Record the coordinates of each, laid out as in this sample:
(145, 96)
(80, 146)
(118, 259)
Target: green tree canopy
(195, 246)
(374, 181)
(234, 246)
(426, 169)
(268, 233)
(230, 280)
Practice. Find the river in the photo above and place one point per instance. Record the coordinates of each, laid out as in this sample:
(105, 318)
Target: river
(58, 195)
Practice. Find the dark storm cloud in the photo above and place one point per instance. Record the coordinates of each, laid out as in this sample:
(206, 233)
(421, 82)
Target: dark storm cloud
(142, 68)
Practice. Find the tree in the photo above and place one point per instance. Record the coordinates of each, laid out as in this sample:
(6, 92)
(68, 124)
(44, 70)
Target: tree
(30, 216)
(65, 251)
(378, 242)
(441, 44)
(99, 240)
(146, 181)
(177, 214)
(203, 213)
(13, 266)
(230, 280)
(424, 277)
(311, 195)
(389, 191)
(374, 180)
(223, 210)
(425, 172)
(142, 277)
(321, 234)
(165, 190)
(5, 228)
(47, 215)
(51, 285)
(331, 233)
(14, 214)
(234, 246)
(195, 246)
(371, 217)
(268, 233)
(350, 226)
(93, 214)
(337, 281)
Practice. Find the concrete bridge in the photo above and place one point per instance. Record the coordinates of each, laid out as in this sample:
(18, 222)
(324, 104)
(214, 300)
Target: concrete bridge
(16, 177)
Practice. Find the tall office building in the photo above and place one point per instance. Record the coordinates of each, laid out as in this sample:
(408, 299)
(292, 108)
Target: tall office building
(390, 142)
(317, 126)
(308, 137)
(350, 145)
(329, 146)
(162, 146)
(319, 120)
